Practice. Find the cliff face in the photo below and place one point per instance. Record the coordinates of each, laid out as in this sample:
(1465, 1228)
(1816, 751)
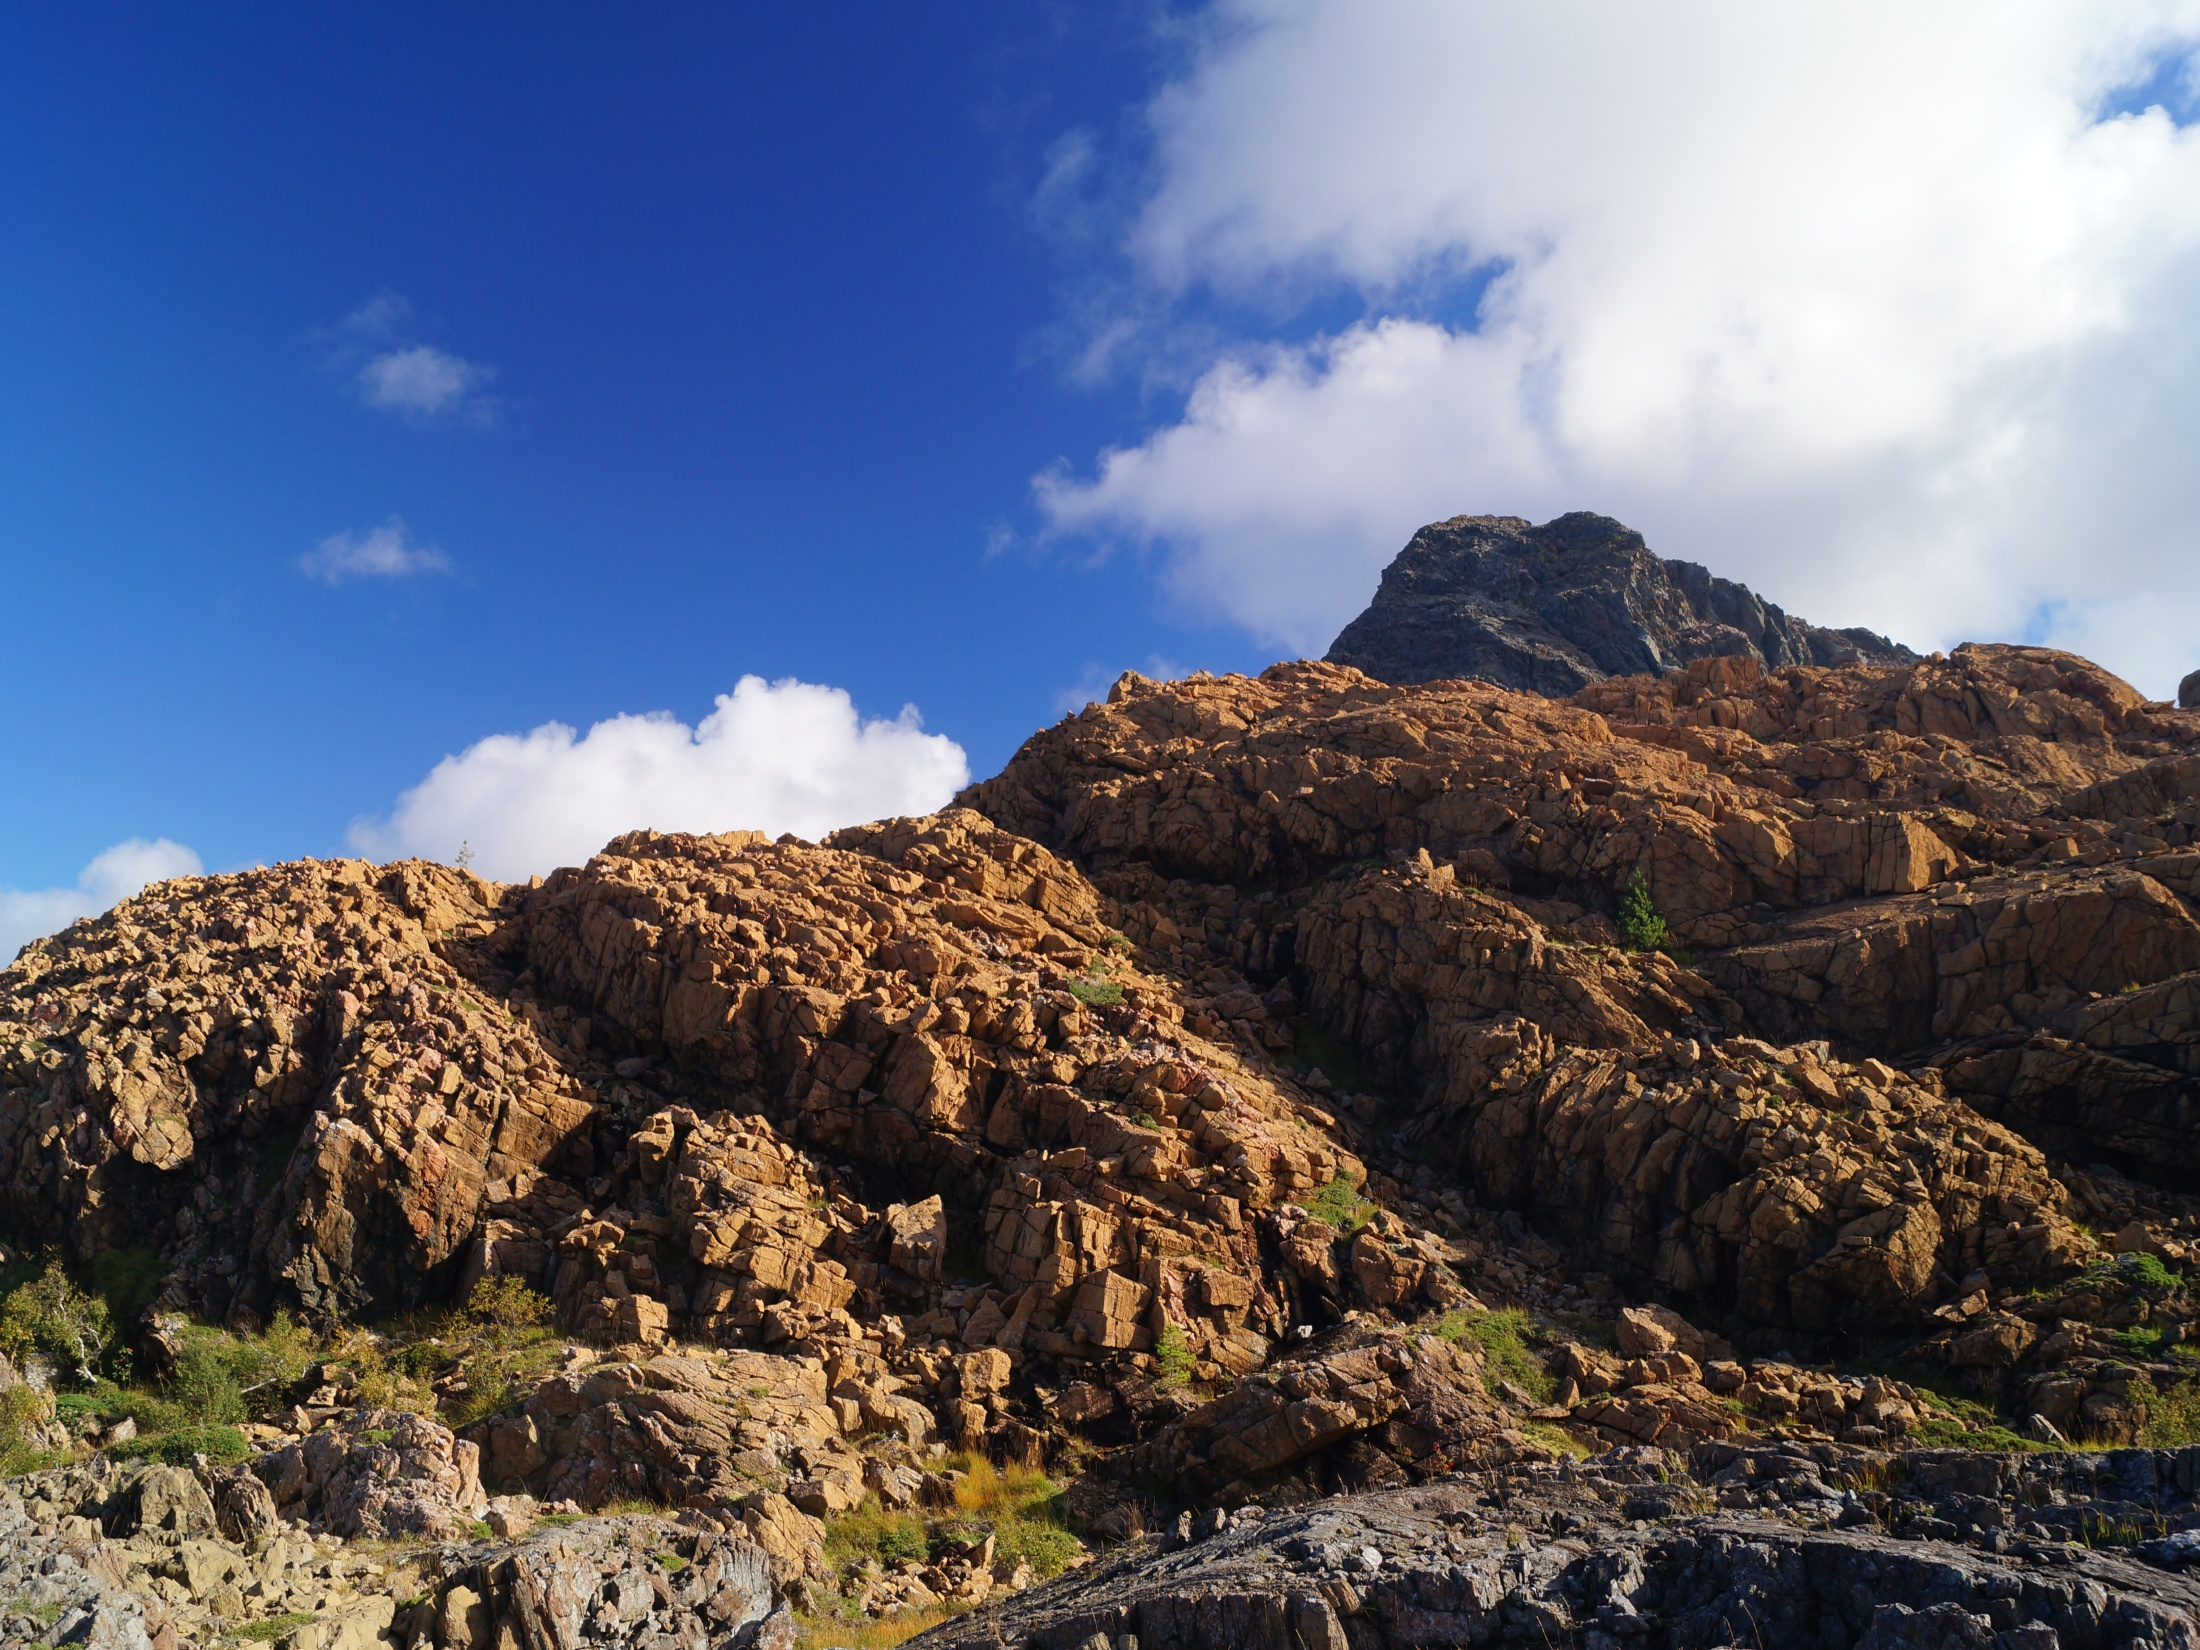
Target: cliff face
(1553, 608)
(1158, 1104)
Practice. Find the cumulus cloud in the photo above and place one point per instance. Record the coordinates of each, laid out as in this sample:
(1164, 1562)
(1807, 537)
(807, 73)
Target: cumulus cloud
(26, 915)
(384, 552)
(1892, 311)
(773, 756)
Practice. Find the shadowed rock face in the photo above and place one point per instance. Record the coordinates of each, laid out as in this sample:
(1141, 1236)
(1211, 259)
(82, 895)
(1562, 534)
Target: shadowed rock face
(1553, 608)
(2188, 692)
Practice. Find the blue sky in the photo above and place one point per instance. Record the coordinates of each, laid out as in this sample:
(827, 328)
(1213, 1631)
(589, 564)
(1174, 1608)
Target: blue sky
(379, 381)
(769, 313)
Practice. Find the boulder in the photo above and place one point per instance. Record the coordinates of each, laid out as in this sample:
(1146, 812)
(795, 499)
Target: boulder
(378, 1473)
(917, 1235)
(166, 1501)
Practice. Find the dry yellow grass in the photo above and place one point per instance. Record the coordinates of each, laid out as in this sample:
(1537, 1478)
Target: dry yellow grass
(818, 1632)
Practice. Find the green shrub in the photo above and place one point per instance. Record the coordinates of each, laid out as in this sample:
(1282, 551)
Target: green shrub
(220, 1378)
(217, 1443)
(506, 1308)
(1504, 1338)
(874, 1531)
(1096, 990)
(1557, 1440)
(53, 1318)
(2135, 1270)
(1946, 1432)
(1641, 926)
(1338, 1204)
(1172, 1352)
(2173, 1418)
(502, 1342)
(203, 1386)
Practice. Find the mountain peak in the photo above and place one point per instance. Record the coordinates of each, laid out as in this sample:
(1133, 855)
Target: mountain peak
(1551, 609)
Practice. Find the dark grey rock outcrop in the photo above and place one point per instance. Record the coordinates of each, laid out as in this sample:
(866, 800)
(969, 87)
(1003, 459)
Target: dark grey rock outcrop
(1765, 1547)
(2188, 692)
(1553, 608)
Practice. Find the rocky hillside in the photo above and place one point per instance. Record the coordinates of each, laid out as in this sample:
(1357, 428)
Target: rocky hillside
(1551, 609)
(1261, 1089)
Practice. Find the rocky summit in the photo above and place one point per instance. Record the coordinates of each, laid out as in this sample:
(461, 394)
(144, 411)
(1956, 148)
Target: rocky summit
(1551, 609)
(1298, 1161)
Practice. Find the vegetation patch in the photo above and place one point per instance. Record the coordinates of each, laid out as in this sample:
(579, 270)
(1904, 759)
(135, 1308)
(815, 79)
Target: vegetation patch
(875, 1531)
(1095, 989)
(1172, 1356)
(1505, 1338)
(1556, 1439)
(23, 1413)
(1340, 1205)
(1642, 927)
(1025, 1510)
(853, 1631)
(224, 1444)
(50, 1317)
(1953, 1422)
(2173, 1417)
(2136, 1270)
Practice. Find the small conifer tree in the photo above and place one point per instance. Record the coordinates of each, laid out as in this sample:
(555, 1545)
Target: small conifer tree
(1641, 926)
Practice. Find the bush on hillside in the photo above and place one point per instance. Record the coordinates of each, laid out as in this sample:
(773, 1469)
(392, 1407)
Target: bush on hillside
(51, 1317)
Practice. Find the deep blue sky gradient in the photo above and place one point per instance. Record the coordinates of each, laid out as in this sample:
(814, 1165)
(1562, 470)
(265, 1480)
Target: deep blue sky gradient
(776, 325)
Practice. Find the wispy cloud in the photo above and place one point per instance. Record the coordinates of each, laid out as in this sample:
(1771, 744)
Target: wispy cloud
(393, 371)
(28, 914)
(424, 381)
(384, 552)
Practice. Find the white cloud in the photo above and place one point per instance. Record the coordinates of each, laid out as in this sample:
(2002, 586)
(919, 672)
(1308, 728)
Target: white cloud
(773, 756)
(425, 382)
(1874, 308)
(111, 876)
(384, 552)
